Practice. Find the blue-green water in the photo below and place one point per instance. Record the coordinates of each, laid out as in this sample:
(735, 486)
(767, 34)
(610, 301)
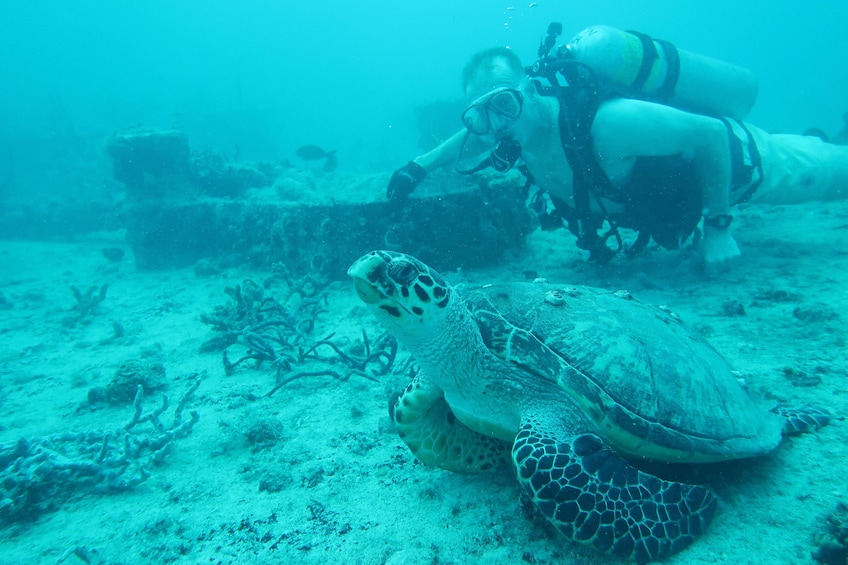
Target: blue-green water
(106, 284)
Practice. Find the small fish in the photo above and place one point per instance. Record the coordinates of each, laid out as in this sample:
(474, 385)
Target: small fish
(314, 153)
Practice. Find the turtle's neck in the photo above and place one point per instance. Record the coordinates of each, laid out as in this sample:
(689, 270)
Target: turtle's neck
(450, 353)
(455, 360)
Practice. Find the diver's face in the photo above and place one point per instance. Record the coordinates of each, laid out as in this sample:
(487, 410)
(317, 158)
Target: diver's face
(494, 111)
(494, 101)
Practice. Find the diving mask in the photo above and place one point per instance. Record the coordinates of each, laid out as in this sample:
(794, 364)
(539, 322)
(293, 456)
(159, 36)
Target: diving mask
(489, 112)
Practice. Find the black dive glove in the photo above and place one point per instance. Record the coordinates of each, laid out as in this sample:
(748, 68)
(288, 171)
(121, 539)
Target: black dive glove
(404, 181)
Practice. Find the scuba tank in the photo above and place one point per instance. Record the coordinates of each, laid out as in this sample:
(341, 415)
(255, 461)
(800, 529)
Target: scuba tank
(657, 71)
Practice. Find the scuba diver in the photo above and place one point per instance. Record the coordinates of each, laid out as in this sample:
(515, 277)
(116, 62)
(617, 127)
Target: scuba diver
(619, 130)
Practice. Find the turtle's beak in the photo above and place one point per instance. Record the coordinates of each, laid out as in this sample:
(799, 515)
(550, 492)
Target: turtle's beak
(366, 291)
(365, 272)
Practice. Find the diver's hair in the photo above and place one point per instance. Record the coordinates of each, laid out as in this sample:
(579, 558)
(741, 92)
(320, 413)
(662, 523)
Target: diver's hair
(483, 62)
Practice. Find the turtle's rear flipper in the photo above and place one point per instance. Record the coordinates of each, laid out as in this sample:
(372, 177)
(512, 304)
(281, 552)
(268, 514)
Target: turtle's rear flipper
(800, 420)
(595, 497)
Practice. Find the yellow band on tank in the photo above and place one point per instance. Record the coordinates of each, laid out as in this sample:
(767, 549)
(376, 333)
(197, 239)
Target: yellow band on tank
(631, 60)
(657, 75)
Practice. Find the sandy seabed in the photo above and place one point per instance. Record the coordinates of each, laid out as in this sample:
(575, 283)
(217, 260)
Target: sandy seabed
(329, 481)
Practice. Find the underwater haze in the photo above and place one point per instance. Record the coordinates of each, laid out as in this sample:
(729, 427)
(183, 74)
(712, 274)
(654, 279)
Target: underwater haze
(271, 75)
(221, 276)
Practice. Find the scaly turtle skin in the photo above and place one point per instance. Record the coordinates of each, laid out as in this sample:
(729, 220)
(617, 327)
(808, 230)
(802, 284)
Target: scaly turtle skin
(568, 383)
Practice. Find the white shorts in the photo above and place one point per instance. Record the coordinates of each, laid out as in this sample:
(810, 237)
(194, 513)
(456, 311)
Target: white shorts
(800, 168)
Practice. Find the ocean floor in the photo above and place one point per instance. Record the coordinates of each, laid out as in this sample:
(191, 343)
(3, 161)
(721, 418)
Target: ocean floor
(314, 473)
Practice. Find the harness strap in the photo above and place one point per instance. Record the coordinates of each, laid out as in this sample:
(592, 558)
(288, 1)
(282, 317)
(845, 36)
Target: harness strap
(638, 246)
(649, 55)
(745, 161)
(577, 108)
(528, 176)
(578, 104)
(672, 71)
(581, 170)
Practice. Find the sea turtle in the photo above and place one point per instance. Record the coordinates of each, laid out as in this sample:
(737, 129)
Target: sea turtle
(572, 384)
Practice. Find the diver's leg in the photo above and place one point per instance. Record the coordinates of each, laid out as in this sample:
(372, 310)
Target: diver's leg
(798, 168)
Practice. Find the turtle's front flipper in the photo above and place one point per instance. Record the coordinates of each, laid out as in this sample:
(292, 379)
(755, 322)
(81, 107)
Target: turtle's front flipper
(595, 497)
(427, 425)
(800, 420)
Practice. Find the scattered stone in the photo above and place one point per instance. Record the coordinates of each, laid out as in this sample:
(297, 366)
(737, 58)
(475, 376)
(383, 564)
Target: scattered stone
(832, 539)
(732, 308)
(261, 432)
(777, 295)
(275, 480)
(802, 379)
(132, 373)
(113, 254)
(815, 313)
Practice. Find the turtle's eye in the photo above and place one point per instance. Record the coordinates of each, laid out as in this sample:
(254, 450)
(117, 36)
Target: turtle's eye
(403, 272)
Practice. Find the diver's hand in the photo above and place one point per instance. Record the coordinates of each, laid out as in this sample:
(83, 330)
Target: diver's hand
(404, 181)
(719, 248)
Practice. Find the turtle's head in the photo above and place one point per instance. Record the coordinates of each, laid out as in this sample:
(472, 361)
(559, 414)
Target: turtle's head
(403, 292)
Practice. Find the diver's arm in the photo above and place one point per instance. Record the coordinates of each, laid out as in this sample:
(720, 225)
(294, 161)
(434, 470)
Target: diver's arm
(625, 128)
(405, 179)
(443, 154)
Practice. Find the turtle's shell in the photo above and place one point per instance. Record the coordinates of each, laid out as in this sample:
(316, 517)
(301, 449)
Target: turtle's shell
(654, 387)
